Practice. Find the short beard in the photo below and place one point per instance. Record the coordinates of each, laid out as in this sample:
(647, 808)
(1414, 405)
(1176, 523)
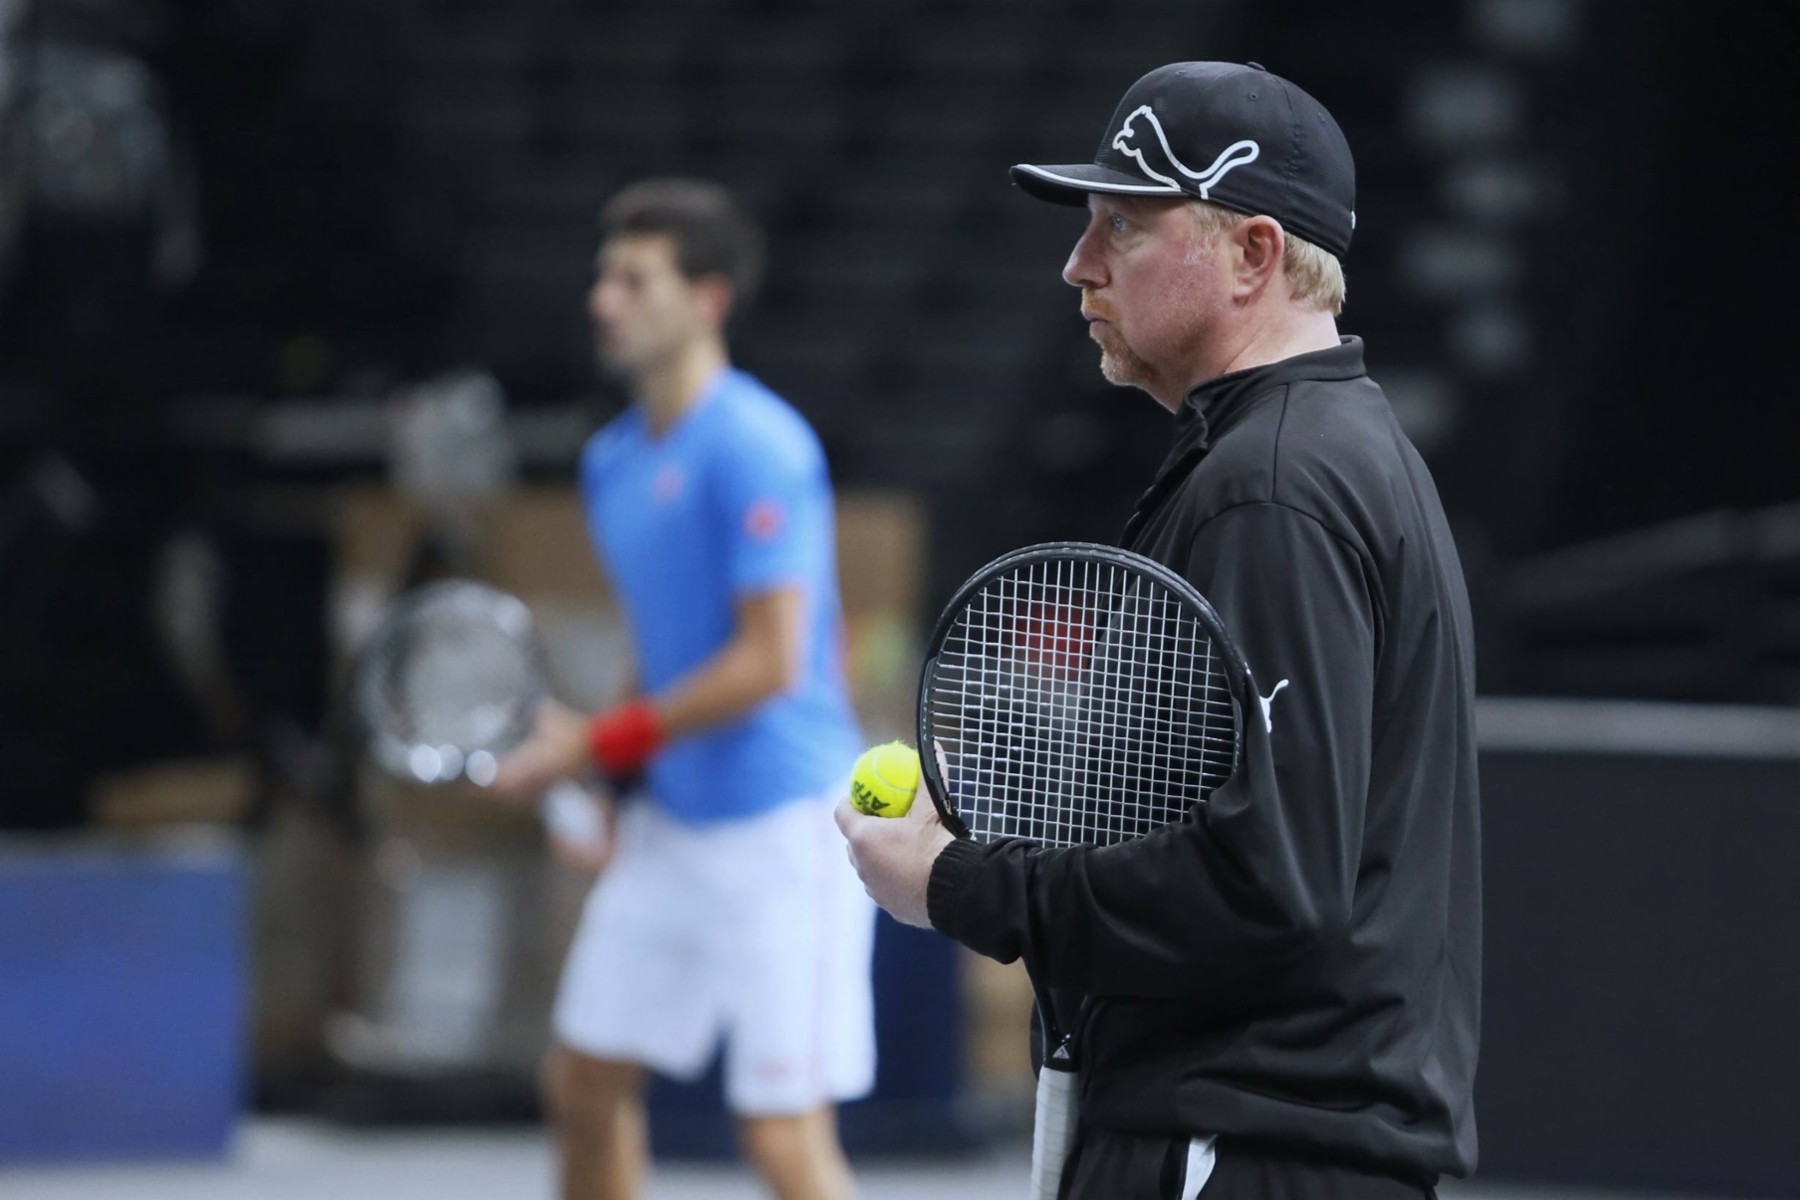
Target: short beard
(1119, 363)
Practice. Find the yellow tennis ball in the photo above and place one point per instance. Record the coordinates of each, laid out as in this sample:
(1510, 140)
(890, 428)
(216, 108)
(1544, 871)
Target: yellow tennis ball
(885, 779)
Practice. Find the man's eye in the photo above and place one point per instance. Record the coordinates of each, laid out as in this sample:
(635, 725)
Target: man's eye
(1118, 224)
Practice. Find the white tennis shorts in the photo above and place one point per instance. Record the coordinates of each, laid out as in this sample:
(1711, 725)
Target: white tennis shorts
(756, 931)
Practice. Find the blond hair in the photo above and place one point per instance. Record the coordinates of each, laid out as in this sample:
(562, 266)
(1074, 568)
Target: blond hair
(1314, 276)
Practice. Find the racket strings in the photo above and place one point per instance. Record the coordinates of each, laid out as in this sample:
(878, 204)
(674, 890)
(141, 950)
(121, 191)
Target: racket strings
(456, 675)
(1079, 702)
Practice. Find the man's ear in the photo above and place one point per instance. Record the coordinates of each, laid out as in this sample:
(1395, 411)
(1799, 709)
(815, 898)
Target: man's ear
(1262, 245)
(715, 296)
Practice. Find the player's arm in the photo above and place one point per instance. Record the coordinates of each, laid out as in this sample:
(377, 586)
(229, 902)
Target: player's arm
(1220, 905)
(559, 745)
(761, 661)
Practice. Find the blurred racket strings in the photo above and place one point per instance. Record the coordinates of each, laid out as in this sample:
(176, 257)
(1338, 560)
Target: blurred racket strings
(450, 682)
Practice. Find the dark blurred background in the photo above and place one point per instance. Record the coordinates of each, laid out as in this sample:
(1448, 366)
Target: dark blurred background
(231, 231)
(229, 228)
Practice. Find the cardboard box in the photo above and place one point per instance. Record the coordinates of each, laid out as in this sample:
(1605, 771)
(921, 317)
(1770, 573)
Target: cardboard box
(203, 791)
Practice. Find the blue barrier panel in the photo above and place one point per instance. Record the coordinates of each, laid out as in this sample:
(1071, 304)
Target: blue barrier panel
(122, 1000)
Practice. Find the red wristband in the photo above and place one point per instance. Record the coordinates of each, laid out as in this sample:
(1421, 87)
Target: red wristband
(624, 738)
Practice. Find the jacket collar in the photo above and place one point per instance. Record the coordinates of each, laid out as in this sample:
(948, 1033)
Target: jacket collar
(1214, 406)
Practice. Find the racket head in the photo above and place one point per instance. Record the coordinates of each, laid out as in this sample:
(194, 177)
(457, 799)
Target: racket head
(1077, 694)
(450, 681)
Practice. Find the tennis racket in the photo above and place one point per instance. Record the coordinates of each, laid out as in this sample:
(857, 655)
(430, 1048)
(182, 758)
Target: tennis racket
(450, 681)
(1076, 695)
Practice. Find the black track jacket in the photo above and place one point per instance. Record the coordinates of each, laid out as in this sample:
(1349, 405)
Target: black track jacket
(1299, 962)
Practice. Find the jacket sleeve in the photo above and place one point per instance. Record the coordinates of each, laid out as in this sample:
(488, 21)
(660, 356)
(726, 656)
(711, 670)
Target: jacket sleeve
(1262, 872)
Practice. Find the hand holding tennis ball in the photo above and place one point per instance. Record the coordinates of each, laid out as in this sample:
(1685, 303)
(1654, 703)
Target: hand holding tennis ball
(885, 780)
(893, 858)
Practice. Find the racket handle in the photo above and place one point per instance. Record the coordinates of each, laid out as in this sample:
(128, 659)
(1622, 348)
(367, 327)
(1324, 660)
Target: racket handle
(1053, 1130)
(571, 814)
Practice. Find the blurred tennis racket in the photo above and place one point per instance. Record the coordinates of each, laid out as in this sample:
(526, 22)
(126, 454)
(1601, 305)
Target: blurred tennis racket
(451, 681)
(1076, 695)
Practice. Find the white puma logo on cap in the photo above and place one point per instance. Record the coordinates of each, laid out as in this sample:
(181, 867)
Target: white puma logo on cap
(1234, 155)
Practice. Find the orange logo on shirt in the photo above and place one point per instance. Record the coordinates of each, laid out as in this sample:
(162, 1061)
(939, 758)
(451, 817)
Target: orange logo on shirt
(762, 520)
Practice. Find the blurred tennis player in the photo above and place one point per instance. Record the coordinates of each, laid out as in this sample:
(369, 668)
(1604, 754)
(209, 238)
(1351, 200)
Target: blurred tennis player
(727, 910)
(1284, 990)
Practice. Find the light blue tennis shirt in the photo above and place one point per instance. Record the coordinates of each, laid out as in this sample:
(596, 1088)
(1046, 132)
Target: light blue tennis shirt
(732, 500)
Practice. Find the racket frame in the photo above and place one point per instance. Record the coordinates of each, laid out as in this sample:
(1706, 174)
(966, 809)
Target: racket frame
(396, 754)
(1055, 1115)
(1240, 685)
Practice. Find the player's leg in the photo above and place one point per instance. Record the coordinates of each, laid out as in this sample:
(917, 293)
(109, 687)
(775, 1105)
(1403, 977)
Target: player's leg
(596, 1107)
(801, 1017)
(798, 1155)
(632, 996)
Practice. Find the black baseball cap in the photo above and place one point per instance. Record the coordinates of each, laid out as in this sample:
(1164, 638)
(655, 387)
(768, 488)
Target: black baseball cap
(1230, 133)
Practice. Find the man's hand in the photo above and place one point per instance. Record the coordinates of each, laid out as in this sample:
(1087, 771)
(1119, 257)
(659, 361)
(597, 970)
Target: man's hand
(582, 826)
(893, 856)
(557, 749)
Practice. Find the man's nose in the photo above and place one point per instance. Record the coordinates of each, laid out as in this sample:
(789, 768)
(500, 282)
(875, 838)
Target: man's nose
(1083, 269)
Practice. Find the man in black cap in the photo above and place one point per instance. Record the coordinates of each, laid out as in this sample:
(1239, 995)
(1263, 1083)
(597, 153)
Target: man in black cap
(1297, 1015)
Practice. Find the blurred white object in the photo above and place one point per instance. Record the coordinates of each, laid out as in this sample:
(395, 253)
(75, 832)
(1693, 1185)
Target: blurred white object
(439, 1000)
(573, 815)
(450, 439)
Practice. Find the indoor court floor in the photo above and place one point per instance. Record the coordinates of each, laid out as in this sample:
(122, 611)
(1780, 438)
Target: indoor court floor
(285, 1159)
